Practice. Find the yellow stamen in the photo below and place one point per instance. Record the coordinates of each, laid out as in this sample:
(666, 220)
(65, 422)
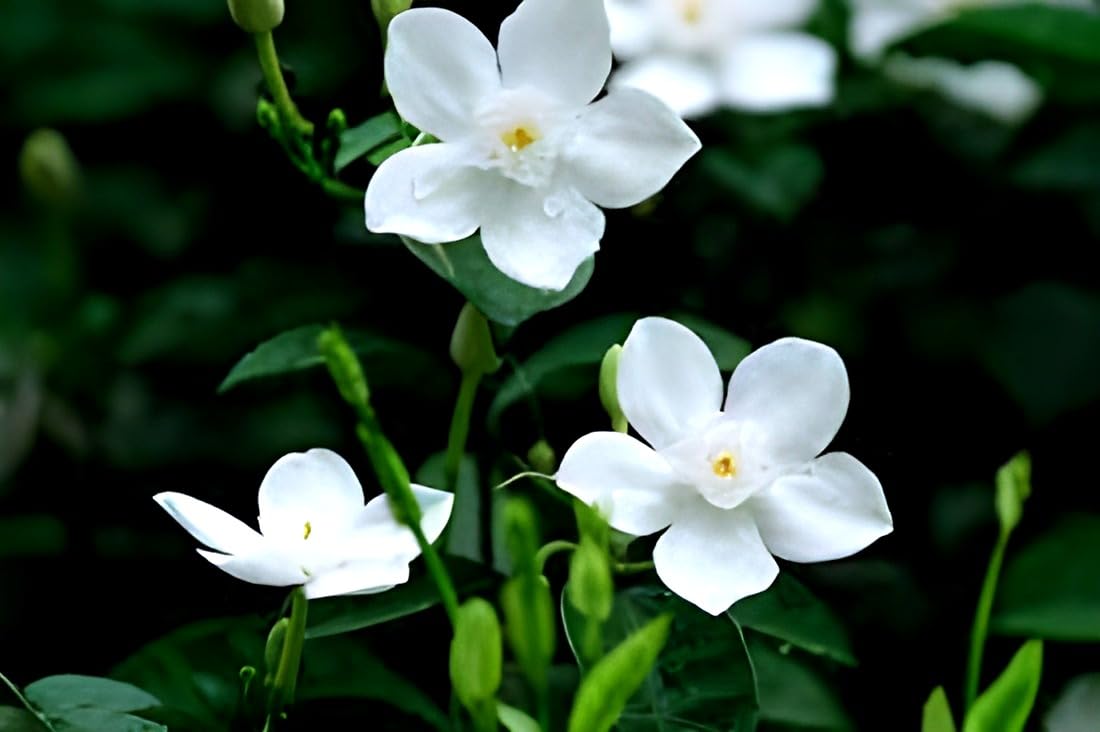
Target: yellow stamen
(518, 138)
(724, 465)
(691, 11)
(309, 530)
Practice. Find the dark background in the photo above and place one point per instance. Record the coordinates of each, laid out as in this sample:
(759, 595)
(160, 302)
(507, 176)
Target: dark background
(953, 272)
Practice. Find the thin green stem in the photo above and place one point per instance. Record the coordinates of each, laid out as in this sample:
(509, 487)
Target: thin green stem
(290, 660)
(438, 572)
(521, 476)
(981, 620)
(30, 707)
(631, 567)
(340, 189)
(549, 550)
(460, 427)
(276, 84)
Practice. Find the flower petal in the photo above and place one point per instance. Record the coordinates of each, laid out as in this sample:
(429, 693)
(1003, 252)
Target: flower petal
(316, 486)
(539, 239)
(668, 383)
(634, 28)
(713, 558)
(626, 148)
(995, 88)
(560, 47)
(768, 72)
(754, 16)
(210, 525)
(832, 512)
(261, 567)
(876, 24)
(688, 86)
(377, 535)
(629, 483)
(439, 67)
(427, 193)
(357, 578)
(796, 392)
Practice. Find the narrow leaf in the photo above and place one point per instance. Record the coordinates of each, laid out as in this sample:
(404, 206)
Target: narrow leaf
(1006, 704)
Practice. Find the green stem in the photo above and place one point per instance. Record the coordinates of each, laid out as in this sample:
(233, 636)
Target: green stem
(340, 189)
(286, 678)
(276, 84)
(549, 550)
(438, 572)
(460, 427)
(981, 619)
(30, 707)
(521, 476)
(631, 567)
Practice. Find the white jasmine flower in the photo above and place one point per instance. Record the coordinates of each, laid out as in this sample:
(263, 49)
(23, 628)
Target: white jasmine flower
(1078, 708)
(698, 55)
(734, 483)
(526, 156)
(314, 529)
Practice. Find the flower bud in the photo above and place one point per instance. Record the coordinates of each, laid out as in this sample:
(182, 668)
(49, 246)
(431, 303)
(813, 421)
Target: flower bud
(529, 624)
(476, 654)
(49, 168)
(521, 535)
(273, 651)
(1013, 488)
(344, 366)
(541, 457)
(257, 16)
(472, 343)
(590, 587)
(609, 390)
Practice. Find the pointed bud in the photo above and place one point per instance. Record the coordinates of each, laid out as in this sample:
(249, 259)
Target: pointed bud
(541, 457)
(476, 653)
(273, 651)
(344, 366)
(609, 389)
(49, 168)
(1013, 488)
(521, 535)
(257, 16)
(472, 344)
(591, 589)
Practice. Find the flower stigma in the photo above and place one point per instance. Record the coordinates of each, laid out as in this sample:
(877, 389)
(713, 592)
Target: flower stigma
(691, 11)
(518, 138)
(308, 530)
(724, 465)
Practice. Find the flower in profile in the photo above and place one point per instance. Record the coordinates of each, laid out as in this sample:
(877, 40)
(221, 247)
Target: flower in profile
(315, 530)
(525, 154)
(734, 483)
(699, 55)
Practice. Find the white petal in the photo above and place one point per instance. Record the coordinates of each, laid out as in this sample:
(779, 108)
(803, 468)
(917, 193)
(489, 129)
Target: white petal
(775, 14)
(688, 86)
(626, 148)
(316, 486)
(631, 485)
(1078, 707)
(713, 558)
(634, 29)
(834, 511)
(540, 239)
(262, 567)
(994, 88)
(875, 25)
(796, 392)
(768, 72)
(357, 578)
(427, 193)
(560, 47)
(439, 67)
(669, 384)
(210, 525)
(377, 535)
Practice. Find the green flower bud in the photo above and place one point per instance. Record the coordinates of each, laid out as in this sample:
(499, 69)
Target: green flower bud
(521, 535)
(257, 16)
(529, 617)
(609, 390)
(49, 168)
(344, 366)
(1013, 488)
(590, 587)
(472, 343)
(387, 10)
(273, 651)
(591, 525)
(476, 654)
(541, 457)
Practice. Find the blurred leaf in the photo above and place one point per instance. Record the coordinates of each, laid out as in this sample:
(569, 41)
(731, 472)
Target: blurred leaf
(464, 530)
(1071, 162)
(361, 139)
(31, 535)
(604, 692)
(1049, 588)
(20, 720)
(465, 265)
(1066, 32)
(379, 154)
(192, 10)
(102, 720)
(778, 182)
(514, 720)
(791, 693)
(1006, 705)
(937, 713)
(55, 694)
(790, 612)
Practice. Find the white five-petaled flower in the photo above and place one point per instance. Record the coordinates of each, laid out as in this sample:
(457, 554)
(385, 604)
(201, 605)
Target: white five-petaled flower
(525, 154)
(734, 484)
(314, 529)
(698, 55)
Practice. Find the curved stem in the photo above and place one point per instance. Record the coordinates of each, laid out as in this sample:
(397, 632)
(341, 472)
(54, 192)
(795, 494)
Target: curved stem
(631, 567)
(549, 550)
(981, 620)
(460, 427)
(276, 84)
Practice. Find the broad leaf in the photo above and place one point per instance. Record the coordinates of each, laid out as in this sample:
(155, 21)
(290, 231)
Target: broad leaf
(1006, 705)
(60, 693)
(464, 530)
(357, 141)
(514, 720)
(792, 693)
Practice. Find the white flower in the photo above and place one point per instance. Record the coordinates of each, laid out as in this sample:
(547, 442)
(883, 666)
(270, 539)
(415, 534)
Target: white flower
(737, 483)
(1078, 708)
(698, 55)
(525, 154)
(314, 529)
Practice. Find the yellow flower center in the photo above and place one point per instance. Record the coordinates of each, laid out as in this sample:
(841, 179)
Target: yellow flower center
(519, 138)
(309, 530)
(724, 465)
(691, 11)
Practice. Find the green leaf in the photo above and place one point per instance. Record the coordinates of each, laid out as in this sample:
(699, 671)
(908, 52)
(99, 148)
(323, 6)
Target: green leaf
(1058, 32)
(464, 530)
(776, 182)
(1068, 163)
(465, 265)
(514, 720)
(604, 692)
(20, 720)
(380, 154)
(1049, 588)
(790, 612)
(102, 720)
(55, 694)
(1006, 704)
(355, 142)
(937, 713)
(296, 350)
(792, 693)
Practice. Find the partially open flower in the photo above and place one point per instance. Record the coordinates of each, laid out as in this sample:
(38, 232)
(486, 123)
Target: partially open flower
(737, 483)
(314, 529)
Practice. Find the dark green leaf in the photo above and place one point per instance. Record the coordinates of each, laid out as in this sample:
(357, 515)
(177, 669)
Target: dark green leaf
(55, 694)
(1071, 162)
(1006, 705)
(102, 720)
(379, 155)
(465, 265)
(1059, 32)
(792, 693)
(20, 720)
(464, 530)
(778, 182)
(357, 141)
